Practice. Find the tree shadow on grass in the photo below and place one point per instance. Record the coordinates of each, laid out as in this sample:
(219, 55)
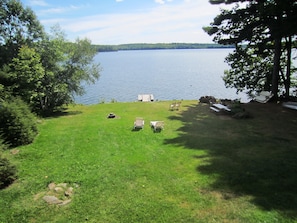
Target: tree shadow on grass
(255, 157)
(61, 113)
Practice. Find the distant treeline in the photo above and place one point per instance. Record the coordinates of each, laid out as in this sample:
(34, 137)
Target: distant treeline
(159, 46)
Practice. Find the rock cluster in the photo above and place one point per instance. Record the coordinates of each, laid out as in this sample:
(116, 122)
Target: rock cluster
(207, 99)
(59, 194)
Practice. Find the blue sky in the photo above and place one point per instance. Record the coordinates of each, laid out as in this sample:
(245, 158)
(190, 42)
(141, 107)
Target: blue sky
(128, 21)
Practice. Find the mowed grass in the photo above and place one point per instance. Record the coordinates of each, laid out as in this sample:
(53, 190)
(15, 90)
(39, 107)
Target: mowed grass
(202, 167)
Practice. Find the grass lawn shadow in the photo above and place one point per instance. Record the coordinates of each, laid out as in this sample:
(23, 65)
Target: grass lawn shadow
(136, 129)
(59, 114)
(254, 157)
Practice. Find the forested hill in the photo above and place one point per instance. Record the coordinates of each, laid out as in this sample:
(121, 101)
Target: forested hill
(159, 46)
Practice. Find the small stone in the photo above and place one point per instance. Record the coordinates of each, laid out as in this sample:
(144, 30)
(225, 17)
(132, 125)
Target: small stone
(64, 185)
(52, 200)
(51, 186)
(69, 191)
(15, 151)
(65, 202)
(59, 189)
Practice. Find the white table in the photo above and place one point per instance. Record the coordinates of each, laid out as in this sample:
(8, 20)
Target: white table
(221, 107)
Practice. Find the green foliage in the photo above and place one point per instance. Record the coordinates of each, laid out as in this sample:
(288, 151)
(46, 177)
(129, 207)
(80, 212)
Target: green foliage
(3, 146)
(17, 124)
(26, 73)
(8, 172)
(248, 72)
(268, 29)
(19, 26)
(78, 65)
(45, 71)
(65, 66)
(48, 76)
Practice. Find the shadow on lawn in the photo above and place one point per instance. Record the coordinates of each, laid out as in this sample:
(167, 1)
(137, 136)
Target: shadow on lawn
(255, 157)
(61, 113)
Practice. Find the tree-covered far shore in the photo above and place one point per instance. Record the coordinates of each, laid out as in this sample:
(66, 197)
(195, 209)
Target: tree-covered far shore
(159, 46)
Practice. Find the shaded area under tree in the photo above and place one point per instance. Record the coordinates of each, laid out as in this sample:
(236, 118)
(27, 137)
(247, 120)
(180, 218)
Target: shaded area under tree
(254, 157)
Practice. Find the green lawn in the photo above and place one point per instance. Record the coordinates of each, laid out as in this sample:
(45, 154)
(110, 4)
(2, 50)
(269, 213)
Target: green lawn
(202, 167)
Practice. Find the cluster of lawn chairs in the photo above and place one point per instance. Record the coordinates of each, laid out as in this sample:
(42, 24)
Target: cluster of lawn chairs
(175, 106)
(155, 125)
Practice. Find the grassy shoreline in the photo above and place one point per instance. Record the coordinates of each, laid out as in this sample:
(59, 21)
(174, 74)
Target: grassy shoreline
(202, 167)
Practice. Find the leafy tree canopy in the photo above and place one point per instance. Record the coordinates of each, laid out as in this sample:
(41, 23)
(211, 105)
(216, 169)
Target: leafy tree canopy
(18, 26)
(45, 70)
(26, 73)
(258, 28)
(65, 65)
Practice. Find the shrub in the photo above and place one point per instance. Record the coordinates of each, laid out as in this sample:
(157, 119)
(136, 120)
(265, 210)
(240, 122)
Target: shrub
(3, 146)
(17, 123)
(207, 99)
(7, 172)
(238, 112)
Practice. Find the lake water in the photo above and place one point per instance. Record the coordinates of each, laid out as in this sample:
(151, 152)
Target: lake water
(167, 74)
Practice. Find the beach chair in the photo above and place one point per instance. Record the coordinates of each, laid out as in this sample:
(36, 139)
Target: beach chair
(264, 96)
(174, 106)
(138, 123)
(157, 125)
(177, 105)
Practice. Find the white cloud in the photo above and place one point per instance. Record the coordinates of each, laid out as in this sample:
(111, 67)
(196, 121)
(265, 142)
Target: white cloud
(162, 1)
(38, 3)
(166, 23)
(59, 10)
(119, 0)
(56, 10)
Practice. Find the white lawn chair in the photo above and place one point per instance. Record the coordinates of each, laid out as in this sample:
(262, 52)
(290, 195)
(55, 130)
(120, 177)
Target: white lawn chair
(157, 125)
(175, 106)
(138, 123)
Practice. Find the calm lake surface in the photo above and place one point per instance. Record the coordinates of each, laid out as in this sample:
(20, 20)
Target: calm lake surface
(167, 74)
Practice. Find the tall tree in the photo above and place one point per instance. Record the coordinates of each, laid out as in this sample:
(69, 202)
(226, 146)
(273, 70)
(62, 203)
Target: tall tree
(65, 65)
(18, 26)
(45, 71)
(26, 74)
(262, 26)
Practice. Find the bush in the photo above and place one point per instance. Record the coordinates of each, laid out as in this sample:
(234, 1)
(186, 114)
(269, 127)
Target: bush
(17, 123)
(2, 145)
(238, 112)
(7, 172)
(207, 99)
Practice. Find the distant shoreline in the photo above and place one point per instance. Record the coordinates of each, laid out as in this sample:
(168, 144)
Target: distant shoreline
(159, 46)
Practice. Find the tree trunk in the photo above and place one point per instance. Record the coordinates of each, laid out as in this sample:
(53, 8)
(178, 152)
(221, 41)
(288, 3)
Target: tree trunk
(288, 72)
(276, 66)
